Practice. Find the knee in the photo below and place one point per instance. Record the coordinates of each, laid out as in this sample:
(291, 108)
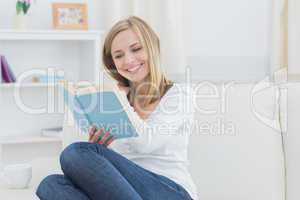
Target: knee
(71, 154)
(47, 187)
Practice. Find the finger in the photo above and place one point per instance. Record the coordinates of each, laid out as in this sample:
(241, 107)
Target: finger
(102, 139)
(92, 131)
(109, 140)
(110, 136)
(97, 135)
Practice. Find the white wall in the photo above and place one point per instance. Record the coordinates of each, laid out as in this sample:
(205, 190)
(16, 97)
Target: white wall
(41, 15)
(223, 39)
(294, 37)
(228, 39)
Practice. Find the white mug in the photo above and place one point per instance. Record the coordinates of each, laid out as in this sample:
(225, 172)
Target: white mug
(16, 176)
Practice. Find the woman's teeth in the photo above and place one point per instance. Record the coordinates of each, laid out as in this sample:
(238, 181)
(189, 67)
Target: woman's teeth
(134, 68)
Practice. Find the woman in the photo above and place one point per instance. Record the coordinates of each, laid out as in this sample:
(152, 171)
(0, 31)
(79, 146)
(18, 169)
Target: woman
(151, 166)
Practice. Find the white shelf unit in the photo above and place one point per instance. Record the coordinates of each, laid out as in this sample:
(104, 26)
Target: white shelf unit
(75, 53)
(25, 85)
(16, 149)
(61, 35)
(6, 140)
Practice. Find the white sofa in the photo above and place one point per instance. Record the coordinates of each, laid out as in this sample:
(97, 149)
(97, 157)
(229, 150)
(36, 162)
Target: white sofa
(292, 141)
(236, 148)
(242, 158)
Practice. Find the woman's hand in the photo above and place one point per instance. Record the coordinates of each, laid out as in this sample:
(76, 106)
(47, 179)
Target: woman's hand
(100, 136)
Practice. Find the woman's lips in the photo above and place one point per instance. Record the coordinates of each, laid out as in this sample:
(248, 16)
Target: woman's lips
(133, 69)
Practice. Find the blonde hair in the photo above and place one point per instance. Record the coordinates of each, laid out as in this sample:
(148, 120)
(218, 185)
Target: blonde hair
(149, 41)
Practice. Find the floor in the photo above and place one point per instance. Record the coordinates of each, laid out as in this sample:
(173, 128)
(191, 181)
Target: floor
(41, 167)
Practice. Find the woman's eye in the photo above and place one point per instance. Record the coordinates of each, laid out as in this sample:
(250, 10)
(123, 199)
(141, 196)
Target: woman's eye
(136, 49)
(117, 56)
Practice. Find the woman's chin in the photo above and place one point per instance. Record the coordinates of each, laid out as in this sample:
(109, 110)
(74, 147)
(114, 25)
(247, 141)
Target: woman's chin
(137, 79)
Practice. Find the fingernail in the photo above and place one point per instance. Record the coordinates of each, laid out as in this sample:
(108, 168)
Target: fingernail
(109, 140)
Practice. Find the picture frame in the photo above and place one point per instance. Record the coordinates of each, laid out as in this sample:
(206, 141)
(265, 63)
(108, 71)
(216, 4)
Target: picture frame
(70, 16)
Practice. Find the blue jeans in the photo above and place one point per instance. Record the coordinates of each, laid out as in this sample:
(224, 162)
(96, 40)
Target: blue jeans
(94, 172)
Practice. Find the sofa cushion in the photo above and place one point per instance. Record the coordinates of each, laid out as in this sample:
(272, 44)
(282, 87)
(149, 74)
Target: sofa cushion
(236, 146)
(292, 139)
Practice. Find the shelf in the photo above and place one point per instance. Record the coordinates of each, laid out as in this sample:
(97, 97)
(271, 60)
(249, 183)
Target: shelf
(32, 53)
(49, 35)
(25, 139)
(26, 85)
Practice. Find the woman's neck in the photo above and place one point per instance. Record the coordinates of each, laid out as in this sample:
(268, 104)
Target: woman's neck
(138, 95)
(139, 89)
(140, 86)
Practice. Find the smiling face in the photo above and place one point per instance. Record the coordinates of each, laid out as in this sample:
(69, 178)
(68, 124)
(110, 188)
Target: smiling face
(129, 56)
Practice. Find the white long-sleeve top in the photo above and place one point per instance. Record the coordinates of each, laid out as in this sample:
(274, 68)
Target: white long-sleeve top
(162, 144)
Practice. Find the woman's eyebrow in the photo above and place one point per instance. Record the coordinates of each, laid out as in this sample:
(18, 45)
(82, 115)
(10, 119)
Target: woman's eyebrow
(132, 45)
(135, 43)
(116, 51)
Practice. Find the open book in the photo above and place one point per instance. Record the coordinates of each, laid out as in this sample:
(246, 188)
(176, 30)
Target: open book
(105, 107)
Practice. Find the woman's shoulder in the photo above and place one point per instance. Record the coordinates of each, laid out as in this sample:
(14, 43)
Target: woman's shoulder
(183, 89)
(177, 95)
(175, 105)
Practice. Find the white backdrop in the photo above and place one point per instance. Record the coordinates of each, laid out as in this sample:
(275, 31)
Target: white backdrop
(228, 39)
(222, 40)
(294, 37)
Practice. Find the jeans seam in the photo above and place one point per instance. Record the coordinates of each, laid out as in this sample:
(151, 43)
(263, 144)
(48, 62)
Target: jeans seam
(99, 149)
(174, 189)
(152, 176)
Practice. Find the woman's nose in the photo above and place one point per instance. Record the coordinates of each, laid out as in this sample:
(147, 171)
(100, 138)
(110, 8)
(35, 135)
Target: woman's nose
(129, 58)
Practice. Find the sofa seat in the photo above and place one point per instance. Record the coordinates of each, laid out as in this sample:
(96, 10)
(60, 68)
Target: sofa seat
(236, 150)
